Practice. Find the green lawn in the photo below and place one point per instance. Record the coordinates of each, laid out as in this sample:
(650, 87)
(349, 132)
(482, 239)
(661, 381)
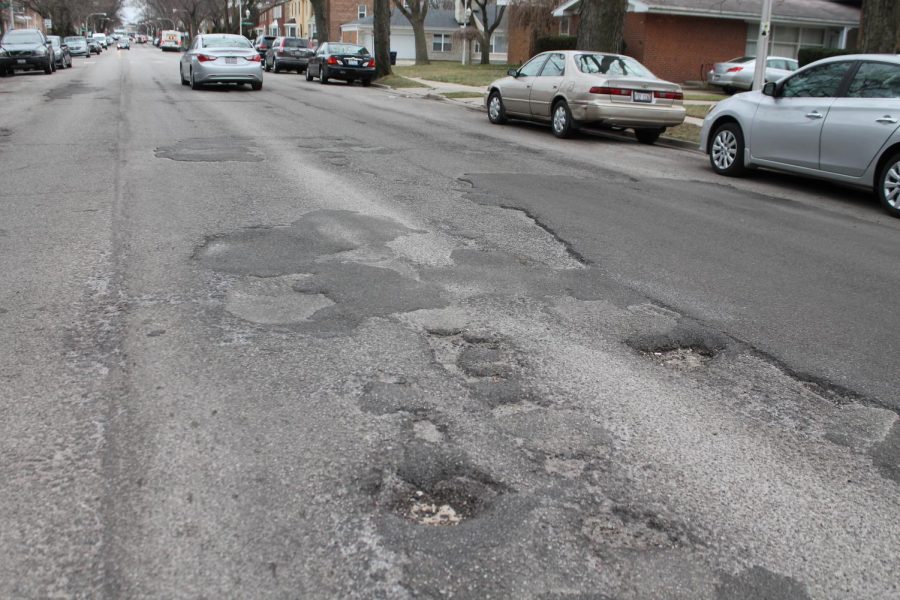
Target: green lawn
(694, 110)
(684, 132)
(688, 95)
(453, 72)
(462, 95)
(395, 81)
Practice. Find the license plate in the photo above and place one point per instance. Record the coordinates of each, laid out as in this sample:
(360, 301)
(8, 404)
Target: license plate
(21, 61)
(642, 96)
(715, 77)
(230, 61)
(353, 63)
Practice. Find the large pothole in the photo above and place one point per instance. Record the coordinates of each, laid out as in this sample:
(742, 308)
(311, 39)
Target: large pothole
(435, 488)
(683, 347)
(212, 150)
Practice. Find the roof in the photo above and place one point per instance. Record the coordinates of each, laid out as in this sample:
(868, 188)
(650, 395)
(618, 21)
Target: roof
(819, 12)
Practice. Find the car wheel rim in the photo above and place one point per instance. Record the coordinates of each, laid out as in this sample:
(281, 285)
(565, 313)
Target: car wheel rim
(724, 149)
(559, 119)
(494, 108)
(891, 185)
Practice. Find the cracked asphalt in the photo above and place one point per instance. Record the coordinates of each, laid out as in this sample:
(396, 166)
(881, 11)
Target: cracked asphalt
(334, 342)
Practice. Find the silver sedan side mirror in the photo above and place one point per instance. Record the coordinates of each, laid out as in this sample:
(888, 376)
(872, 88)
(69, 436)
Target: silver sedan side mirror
(513, 72)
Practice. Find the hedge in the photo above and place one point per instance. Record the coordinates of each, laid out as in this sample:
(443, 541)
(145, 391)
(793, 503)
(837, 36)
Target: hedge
(554, 42)
(808, 55)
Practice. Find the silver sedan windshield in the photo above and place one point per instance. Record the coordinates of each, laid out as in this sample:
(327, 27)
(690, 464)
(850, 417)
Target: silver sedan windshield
(611, 65)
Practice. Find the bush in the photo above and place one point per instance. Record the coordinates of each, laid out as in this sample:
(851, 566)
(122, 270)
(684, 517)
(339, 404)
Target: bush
(554, 42)
(808, 55)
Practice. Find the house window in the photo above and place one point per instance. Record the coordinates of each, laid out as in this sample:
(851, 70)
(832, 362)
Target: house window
(290, 30)
(311, 29)
(361, 11)
(442, 43)
(787, 41)
(564, 24)
(498, 44)
(276, 12)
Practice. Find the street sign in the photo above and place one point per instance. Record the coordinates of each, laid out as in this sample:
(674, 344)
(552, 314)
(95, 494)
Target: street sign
(48, 24)
(247, 23)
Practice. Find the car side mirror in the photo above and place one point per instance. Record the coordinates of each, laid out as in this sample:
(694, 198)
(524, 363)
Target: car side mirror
(513, 72)
(769, 89)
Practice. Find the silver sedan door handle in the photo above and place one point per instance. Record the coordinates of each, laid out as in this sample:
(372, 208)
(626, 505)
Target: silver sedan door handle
(886, 119)
(814, 115)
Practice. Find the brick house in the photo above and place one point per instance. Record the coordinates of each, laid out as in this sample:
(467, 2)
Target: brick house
(293, 18)
(679, 39)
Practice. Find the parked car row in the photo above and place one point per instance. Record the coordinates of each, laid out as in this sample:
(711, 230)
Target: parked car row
(737, 74)
(31, 50)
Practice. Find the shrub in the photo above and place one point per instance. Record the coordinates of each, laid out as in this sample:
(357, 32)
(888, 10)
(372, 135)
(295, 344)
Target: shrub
(554, 42)
(808, 55)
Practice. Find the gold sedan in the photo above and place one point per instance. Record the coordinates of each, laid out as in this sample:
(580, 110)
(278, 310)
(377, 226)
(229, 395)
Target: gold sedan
(571, 88)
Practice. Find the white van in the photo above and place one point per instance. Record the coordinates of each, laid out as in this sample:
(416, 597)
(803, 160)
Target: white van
(101, 37)
(170, 40)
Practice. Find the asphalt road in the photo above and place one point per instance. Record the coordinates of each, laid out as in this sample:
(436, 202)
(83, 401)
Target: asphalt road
(326, 341)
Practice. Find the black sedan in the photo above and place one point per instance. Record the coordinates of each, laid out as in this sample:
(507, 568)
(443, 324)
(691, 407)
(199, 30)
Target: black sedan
(25, 50)
(341, 61)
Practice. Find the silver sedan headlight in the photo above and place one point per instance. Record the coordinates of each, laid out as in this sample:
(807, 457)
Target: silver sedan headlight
(40, 51)
(3, 52)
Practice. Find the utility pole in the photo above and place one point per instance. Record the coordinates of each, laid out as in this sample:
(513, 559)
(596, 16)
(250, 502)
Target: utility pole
(762, 45)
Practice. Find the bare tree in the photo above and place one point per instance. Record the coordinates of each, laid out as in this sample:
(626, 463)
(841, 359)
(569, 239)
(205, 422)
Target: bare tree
(320, 9)
(415, 12)
(488, 26)
(68, 15)
(382, 30)
(879, 30)
(602, 25)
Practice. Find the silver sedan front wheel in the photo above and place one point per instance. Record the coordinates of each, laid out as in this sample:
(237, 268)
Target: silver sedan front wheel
(726, 153)
(496, 110)
(889, 186)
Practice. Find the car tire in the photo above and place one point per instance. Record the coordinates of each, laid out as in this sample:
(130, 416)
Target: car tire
(561, 121)
(888, 185)
(726, 150)
(323, 75)
(647, 136)
(308, 75)
(256, 86)
(267, 67)
(496, 110)
(366, 82)
(194, 84)
(49, 68)
(181, 76)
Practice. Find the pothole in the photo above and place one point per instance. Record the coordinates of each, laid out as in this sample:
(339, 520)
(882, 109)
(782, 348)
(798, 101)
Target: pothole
(434, 488)
(684, 347)
(628, 528)
(212, 150)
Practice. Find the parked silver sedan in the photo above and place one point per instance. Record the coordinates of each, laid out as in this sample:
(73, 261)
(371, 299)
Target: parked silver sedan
(221, 58)
(572, 88)
(835, 119)
(737, 74)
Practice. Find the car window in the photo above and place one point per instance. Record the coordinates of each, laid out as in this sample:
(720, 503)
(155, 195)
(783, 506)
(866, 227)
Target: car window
(792, 65)
(295, 43)
(875, 80)
(22, 37)
(776, 63)
(741, 59)
(611, 65)
(555, 67)
(347, 49)
(222, 41)
(533, 66)
(276, 41)
(822, 81)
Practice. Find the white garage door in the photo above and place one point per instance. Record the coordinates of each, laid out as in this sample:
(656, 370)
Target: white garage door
(403, 45)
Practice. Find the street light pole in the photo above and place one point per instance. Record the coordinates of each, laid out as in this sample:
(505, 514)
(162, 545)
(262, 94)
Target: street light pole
(762, 45)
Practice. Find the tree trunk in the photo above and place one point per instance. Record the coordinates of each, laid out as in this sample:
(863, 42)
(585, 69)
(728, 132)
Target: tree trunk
(382, 30)
(602, 24)
(418, 26)
(879, 30)
(485, 47)
(320, 8)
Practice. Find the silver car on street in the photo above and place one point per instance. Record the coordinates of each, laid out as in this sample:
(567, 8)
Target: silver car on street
(572, 88)
(221, 58)
(835, 119)
(737, 73)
